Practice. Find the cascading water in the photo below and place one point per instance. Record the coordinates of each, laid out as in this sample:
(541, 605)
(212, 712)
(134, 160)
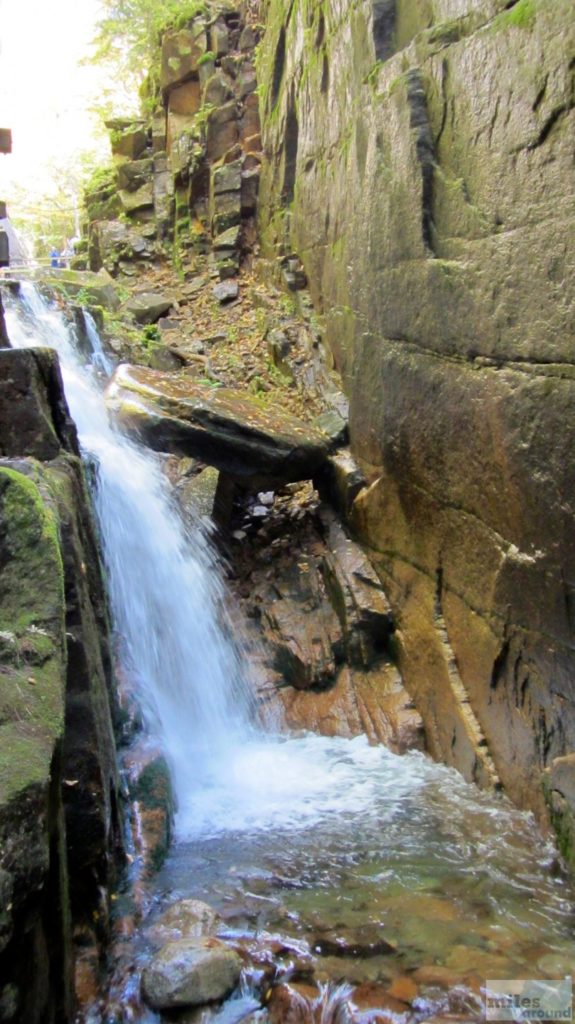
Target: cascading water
(164, 586)
(304, 829)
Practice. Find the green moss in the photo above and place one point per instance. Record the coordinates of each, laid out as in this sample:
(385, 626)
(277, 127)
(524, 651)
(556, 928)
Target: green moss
(521, 15)
(153, 787)
(32, 629)
(187, 14)
(372, 77)
(24, 761)
(31, 526)
(563, 823)
(206, 58)
(446, 32)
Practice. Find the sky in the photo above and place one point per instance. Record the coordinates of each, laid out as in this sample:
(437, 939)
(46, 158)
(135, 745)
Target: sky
(45, 95)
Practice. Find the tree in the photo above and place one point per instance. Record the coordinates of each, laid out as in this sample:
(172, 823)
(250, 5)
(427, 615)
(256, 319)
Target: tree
(128, 35)
(47, 219)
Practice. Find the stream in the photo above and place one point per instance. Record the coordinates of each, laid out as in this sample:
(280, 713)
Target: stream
(328, 860)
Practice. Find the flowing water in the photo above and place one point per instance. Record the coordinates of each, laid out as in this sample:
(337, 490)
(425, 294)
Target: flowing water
(368, 863)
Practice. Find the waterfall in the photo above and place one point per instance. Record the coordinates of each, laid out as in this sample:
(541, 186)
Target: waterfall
(165, 586)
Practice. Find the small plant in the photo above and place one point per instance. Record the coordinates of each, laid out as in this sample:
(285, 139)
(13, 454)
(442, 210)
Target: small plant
(206, 58)
(150, 336)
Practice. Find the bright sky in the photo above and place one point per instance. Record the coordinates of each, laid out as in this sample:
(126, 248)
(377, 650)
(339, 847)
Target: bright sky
(45, 95)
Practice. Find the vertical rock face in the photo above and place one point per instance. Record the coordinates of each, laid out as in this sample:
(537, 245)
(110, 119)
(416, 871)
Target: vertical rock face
(58, 816)
(420, 161)
(164, 179)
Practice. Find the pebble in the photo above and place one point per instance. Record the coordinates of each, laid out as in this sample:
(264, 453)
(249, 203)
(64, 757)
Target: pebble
(266, 497)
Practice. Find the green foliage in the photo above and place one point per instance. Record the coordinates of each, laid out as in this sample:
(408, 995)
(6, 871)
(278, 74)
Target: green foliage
(151, 336)
(47, 220)
(206, 58)
(521, 15)
(101, 181)
(130, 31)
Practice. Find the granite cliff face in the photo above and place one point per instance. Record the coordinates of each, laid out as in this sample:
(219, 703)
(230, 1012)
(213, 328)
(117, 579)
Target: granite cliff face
(419, 159)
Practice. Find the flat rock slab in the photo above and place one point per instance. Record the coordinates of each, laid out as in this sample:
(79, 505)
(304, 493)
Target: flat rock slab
(148, 307)
(226, 428)
(190, 972)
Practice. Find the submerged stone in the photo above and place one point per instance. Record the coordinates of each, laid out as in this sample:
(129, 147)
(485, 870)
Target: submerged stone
(186, 919)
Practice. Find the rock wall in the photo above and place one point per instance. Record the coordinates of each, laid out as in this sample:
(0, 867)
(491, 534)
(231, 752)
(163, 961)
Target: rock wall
(58, 785)
(419, 159)
(185, 176)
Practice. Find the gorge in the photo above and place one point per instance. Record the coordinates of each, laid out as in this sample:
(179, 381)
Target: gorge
(332, 260)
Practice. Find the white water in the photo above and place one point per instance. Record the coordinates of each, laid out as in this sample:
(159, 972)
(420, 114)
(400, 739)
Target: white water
(164, 586)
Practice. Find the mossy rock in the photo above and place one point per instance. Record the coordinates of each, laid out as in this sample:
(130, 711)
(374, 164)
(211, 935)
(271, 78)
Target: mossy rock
(93, 289)
(32, 608)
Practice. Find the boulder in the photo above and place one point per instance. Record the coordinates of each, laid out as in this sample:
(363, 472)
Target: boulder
(163, 184)
(190, 972)
(159, 133)
(227, 239)
(226, 291)
(219, 38)
(226, 211)
(226, 428)
(357, 595)
(198, 494)
(305, 644)
(96, 289)
(148, 307)
(34, 417)
(250, 188)
(227, 178)
(185, 99)
(217, 90)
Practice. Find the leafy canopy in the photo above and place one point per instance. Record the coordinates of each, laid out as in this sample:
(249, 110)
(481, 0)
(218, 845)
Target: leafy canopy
(129, 33)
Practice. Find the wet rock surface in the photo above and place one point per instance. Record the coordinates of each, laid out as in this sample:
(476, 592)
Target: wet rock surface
(323, 618)
(226, 428)
(430, 215)
(59, 828)
(190, 972)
